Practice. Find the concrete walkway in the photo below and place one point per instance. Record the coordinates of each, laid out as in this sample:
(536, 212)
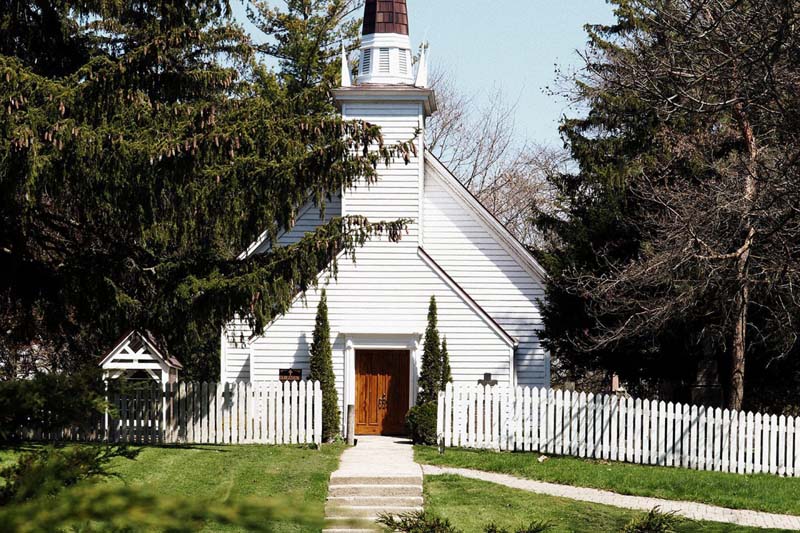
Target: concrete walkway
(691, 510)
(376, 476)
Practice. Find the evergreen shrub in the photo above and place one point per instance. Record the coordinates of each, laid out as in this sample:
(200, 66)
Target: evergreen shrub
(49, 402)
(430, 378)
(322, 371)
(421, 423)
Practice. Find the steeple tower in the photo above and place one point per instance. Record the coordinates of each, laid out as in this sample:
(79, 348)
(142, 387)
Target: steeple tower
(386, 74)
(385, 45)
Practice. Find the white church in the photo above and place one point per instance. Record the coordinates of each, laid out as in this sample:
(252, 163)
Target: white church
(486, 283)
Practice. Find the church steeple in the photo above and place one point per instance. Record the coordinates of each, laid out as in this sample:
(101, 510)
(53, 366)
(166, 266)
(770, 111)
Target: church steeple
(385, 45)
(385, 74)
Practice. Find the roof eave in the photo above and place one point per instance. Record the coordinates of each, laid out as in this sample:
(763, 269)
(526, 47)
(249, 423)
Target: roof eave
(494, 324)
(512, 244)
(368, 93)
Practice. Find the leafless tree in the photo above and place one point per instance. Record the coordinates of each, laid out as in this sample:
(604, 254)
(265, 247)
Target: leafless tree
(719, 193)
(480, 144)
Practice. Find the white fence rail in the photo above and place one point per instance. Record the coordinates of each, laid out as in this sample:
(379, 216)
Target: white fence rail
(206, 413)
(618, 429)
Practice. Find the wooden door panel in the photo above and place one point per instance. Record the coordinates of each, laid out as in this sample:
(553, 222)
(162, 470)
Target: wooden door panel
(381, 391)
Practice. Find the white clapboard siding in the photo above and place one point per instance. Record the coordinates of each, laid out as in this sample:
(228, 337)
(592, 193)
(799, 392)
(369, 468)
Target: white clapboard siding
(459, 240)
(217, 413)
(607, 427)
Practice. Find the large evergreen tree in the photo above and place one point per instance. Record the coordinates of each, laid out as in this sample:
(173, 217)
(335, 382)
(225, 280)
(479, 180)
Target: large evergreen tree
(679, 243)
(143, 146)
(306, 37)
(430, 378)
(321, 362)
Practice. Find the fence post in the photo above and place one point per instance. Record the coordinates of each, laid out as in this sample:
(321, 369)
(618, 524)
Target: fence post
(317, 413)
(646, 425)
(447, 424)
(309, 437)
(726, 436)
(694, 447)
(351, 424)
(733, 442)
(439, 416)
(105, 415)
(796, 462)
(637, 432)
(558, 427)
(480, 417)
(593, 415)
(740, 461)
(527, 424)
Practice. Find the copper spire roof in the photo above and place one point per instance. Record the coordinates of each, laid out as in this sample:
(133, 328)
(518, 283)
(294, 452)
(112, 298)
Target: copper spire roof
(385, 16)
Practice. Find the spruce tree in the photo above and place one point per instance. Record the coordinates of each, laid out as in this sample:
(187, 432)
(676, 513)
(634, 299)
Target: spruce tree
(143, 147)
(430, 379)
(447, 374)
(322, 370)
(307, 36)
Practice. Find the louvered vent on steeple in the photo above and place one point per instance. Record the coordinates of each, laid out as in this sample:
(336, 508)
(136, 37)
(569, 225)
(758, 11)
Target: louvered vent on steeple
(366, 61)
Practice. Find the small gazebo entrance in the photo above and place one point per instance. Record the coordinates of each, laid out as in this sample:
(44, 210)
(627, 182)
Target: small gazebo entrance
(137, 357)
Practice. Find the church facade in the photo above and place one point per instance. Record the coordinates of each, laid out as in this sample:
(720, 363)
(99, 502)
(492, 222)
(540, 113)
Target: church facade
(487, 286)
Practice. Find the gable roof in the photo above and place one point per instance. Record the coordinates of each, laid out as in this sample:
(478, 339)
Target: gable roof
(504, 237)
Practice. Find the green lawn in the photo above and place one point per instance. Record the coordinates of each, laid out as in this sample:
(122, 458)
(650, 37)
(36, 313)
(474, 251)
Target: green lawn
(756, 492)
(228, 473)
(470, 505)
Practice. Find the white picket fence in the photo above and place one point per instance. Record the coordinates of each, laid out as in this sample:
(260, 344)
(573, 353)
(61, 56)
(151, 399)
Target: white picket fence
(200, 413)
(219, 413)
(618, 429)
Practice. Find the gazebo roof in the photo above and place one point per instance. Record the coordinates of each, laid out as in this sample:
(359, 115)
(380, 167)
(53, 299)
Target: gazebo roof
(139, 345)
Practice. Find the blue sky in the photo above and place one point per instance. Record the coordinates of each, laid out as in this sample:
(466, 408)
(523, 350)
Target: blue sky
(512, 45)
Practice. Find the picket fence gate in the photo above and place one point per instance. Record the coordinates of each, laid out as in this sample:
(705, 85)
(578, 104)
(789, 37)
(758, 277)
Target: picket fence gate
(218, 413)
(616, 428)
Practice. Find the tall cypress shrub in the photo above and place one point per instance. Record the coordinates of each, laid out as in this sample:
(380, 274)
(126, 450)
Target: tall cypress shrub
(430, 379)
(322, 370)
(447, 374)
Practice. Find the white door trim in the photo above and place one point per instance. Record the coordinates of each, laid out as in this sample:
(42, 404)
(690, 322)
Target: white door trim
(379, 341)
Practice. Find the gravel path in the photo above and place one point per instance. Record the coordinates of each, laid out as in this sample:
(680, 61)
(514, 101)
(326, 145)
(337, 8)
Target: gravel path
(691, 510)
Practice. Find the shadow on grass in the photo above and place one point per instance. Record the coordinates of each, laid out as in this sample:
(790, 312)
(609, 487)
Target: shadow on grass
(20, 447)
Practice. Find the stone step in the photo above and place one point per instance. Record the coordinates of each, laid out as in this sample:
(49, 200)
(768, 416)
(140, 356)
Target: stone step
(368, 512)
(351, 530)
(350, 524)
(373, 501)
(375, 490)
(375, 480)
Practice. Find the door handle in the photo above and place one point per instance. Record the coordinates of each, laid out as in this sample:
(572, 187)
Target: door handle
(383, 403)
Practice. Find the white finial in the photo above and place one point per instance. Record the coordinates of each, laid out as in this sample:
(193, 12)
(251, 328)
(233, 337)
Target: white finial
(346, 80)
(422, 68)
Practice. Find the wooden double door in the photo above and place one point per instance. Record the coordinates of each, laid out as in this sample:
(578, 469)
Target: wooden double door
(382, 391)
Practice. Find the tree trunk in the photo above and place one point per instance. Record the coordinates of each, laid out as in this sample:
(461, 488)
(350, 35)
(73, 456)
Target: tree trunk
(739, 344)
(741, 301)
